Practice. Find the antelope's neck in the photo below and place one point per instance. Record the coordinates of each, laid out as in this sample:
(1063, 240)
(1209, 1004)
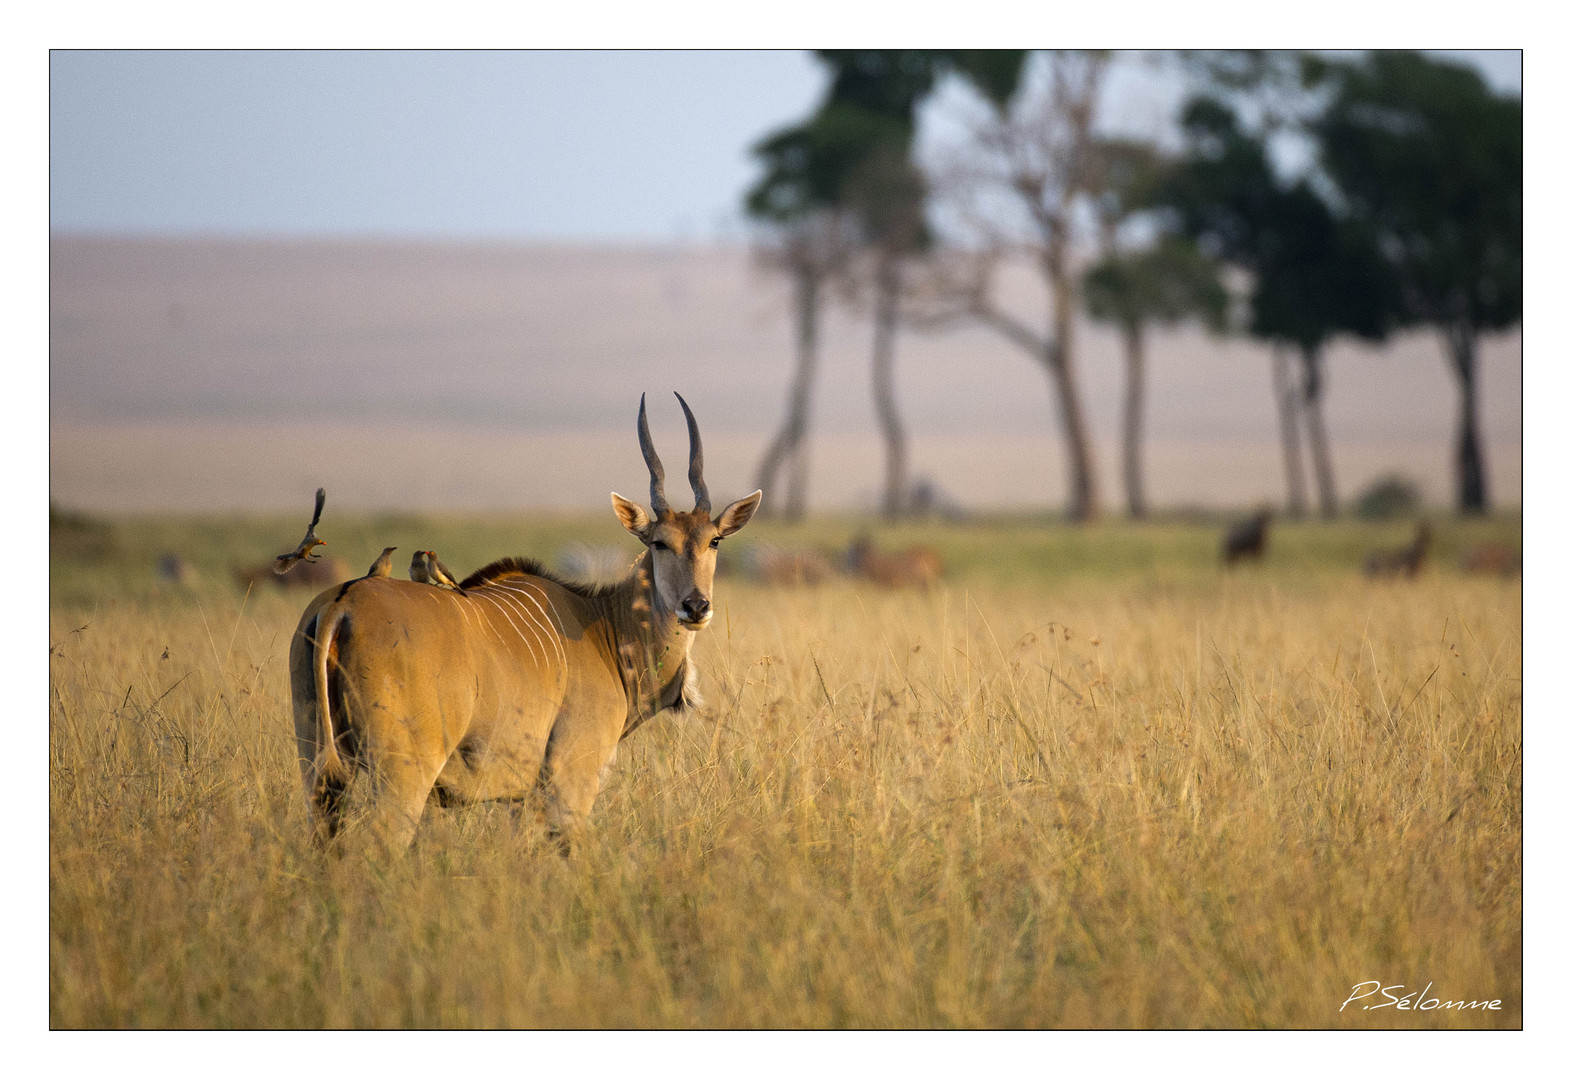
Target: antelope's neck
(648, 644)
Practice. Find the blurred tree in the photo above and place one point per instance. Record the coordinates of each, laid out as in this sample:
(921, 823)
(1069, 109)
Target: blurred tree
(1166, 283)
(1431, 161)
(869, 120)
(1312, 276)
(841, 199)
(803, 233)
(1388, 497)
(1317, 277)
(1015, 187)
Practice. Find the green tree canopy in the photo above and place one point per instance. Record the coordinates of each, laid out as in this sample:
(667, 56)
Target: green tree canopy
(1170, 281)
(1430, 162)
(1425, 154)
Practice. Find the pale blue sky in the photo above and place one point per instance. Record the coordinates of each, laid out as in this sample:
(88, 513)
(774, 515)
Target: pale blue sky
(520, 145)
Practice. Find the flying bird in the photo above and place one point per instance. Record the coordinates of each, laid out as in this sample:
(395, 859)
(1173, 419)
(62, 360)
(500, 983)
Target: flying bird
(285, 562)
(383, 567)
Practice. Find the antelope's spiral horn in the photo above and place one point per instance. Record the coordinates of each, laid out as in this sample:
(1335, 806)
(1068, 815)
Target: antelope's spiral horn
(701, 493)
(652, 459)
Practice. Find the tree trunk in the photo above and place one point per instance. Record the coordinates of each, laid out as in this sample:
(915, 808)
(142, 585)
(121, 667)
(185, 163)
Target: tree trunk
(790, 445)
(1473, 496)
(1315, 430)
(1134, 395)
(885, 317)
(1288, 422)
(1059, 358)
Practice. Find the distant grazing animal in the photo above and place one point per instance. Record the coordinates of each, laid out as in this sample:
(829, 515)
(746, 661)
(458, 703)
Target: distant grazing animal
(383, 567)
(176, 570)
(910, 566)
(1492, 557)
(771, 565)
(1246, 539)
(522, 683)
(1403, 562)
(302, 552)
(316, 574)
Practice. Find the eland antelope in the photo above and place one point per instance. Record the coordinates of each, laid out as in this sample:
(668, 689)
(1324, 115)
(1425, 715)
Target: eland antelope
(910, 566)
(519, 683)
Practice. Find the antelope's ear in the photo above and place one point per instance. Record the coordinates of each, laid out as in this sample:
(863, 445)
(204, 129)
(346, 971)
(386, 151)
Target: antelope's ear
(632, 516)
(737, 514)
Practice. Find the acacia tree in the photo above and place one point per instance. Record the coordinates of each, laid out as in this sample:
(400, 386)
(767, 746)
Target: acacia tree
(1312, 276)
(867, 126)
(1166, 283)
(1232, 174)
(843, 201)
(1015, 186)
(1431, 162)
(1161, 282)
(803, 234)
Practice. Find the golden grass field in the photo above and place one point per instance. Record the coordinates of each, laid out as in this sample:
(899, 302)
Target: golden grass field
(1091, 781)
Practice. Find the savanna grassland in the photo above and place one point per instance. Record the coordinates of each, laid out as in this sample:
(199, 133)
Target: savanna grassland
(1090, 781)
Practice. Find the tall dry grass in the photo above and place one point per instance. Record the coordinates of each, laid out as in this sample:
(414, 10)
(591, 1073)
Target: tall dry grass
(1132, 800)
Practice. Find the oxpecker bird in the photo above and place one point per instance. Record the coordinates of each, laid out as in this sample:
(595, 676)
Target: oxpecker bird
(420, 568)
(383, 567)
(283, 563)
(439, 573)
(427, 569)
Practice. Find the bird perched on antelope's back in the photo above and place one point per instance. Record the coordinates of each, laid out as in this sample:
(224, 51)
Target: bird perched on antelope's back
(282, 564)
(426, 568)
(383, 567)
(420, 567)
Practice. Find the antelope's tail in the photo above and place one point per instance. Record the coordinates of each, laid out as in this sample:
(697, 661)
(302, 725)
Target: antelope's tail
(330, 767)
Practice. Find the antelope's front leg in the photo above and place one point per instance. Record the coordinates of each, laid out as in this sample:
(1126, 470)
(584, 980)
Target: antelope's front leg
(578, 756)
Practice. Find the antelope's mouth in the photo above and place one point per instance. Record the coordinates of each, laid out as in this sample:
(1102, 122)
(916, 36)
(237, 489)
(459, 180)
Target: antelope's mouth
(699, 623)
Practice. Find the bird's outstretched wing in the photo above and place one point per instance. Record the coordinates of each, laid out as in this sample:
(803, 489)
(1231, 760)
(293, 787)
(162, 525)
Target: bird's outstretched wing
(284, 562)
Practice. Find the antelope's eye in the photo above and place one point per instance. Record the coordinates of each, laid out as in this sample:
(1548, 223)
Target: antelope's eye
(658, 545)
(715, 543)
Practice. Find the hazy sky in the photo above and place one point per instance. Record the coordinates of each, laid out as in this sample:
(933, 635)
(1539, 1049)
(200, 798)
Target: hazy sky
(559, 145)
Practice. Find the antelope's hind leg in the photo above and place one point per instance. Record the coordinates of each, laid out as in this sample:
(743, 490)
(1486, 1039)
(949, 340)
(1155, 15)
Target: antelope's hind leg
(325, 797)
(403, 769)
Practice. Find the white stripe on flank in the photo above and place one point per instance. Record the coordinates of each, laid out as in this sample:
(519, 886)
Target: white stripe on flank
(516, 630)
(487, 623)
(530, 607)
(547, 612)
(469, 620)
(513, 605)
(461, 599)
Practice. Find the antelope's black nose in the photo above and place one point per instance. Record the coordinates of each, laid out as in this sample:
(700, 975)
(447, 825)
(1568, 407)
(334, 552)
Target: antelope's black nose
(695, 608)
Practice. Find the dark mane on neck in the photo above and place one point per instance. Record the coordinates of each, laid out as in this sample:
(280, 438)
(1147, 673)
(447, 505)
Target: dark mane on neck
(514, 565)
